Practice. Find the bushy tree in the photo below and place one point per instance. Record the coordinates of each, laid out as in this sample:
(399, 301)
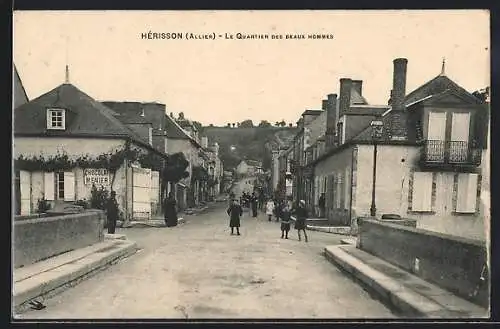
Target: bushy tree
(246, 124)
(264, 123)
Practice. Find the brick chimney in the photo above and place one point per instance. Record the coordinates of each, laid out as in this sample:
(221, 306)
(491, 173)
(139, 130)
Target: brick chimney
(358, 86)
(331, 120)
(398, 116)
(345, 96)
(324, 104)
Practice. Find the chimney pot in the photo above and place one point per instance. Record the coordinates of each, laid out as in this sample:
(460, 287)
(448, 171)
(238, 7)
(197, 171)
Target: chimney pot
(331, 120)
(345, 96)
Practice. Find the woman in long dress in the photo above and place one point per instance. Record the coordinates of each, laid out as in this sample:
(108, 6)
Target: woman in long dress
(170, 211)
(270, 209)
(235, 211)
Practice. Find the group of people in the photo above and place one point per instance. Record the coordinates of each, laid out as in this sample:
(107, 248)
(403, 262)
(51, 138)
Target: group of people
(282, 211)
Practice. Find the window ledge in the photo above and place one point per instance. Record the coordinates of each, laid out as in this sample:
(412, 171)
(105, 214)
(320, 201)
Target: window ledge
(421, 212)
(458, 213)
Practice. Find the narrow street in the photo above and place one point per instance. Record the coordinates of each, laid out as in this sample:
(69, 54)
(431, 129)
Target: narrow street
(198, 270)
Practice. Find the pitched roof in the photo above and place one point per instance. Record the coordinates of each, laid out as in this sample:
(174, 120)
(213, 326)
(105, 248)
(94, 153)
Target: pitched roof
(19, 93)
(174, 130)
(356, 98)
(85, 116)
(434, 86)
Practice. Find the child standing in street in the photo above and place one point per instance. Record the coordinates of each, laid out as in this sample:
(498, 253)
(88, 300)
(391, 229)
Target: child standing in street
(270, 209)
(285, 222)
(300, 223)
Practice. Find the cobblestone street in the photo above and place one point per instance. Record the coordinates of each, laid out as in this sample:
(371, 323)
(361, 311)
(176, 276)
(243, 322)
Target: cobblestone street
(198, 270)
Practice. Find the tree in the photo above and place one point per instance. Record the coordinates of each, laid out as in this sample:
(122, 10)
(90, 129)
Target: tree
(264, 123)
(233, 124)
(246, 124)
(197, 125)
(229, 125)
(172, 115)
(290, 125)
(211, 125)
(238, 124)
(282, 123)
(181, 115)
(277, 123)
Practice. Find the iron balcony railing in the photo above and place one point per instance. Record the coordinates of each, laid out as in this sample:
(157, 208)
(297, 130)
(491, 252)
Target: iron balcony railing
(450, 152)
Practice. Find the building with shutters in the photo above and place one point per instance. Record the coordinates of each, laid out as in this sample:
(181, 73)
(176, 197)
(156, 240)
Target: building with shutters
(65, 142)
(430, 156)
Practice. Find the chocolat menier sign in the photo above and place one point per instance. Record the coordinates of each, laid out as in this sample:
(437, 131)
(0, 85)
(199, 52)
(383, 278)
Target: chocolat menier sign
(98, 177)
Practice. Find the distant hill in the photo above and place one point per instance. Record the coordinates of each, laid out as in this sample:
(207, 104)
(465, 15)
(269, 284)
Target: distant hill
(253, 143)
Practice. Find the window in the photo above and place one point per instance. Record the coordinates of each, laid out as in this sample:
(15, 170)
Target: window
(467, 193)
(56, 119)
(347, 184)
(59, 186)
(338, 191)
(340, 133)
(422, 191)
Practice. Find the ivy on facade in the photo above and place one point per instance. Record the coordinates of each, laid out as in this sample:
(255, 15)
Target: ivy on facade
(111, 160)
(200, 174)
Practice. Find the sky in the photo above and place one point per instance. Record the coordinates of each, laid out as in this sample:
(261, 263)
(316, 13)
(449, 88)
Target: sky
(223, 80)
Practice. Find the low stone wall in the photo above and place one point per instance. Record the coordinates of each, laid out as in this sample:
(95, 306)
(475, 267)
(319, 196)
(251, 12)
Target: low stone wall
(40, 238)
(453, 263)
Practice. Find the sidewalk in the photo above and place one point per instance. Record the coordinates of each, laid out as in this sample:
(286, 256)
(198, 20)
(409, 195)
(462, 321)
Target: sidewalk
(404, 292)
(343, 230)
(159, 221)
(52, 276)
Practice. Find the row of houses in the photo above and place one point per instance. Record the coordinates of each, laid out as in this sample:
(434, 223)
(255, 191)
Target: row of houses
(423, 156)
(66, 142)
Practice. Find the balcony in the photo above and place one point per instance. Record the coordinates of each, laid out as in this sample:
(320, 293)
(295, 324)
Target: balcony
(437, 153)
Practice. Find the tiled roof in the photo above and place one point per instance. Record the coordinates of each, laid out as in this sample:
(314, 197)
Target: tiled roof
(174, 130)
(434, 86)
(19, 93)
(85, 116)
(356, 98)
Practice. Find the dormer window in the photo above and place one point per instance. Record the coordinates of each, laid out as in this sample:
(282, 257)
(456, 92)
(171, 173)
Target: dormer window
(56, 119)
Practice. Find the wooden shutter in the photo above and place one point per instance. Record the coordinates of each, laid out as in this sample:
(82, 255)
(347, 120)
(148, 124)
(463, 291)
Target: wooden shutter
(422, 191)
(347, 183)
(69, 186)
(25, 189)
(49, 185)
(467, 193)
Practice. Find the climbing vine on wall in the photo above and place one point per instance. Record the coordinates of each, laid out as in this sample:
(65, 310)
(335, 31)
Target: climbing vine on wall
(111, 160)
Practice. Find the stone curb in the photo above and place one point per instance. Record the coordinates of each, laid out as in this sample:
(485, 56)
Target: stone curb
(342, 230)
(402, 299)
(52, 282)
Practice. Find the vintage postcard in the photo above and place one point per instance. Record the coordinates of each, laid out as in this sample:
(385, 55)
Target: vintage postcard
(251, 164)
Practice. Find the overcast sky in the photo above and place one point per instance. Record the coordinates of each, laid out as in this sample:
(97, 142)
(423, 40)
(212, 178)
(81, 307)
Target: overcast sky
(221, 81)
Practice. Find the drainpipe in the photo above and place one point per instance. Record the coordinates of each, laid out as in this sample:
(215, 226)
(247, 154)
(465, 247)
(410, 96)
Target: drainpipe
(126, 165)
(352, 179)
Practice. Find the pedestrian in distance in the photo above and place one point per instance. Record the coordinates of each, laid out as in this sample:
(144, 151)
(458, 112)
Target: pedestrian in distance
(270, 209)
(285, 222)
(253, 203)
(301, 216)
(235, 212)
(170, 210)
(112, 212)
(321, 204)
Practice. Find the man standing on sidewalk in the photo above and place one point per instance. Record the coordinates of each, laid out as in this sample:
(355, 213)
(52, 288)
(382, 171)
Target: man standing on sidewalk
(253, 203)
(112, 212)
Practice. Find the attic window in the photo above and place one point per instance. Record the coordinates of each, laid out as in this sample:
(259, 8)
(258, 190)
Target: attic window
(56, 119)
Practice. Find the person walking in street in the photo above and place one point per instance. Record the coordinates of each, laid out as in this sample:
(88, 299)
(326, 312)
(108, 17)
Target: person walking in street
(285, 222)
(301, 215)
(270, 209)
(235, 212)
(321, 204)
(170, 210)
(253, 203)
(112, 212)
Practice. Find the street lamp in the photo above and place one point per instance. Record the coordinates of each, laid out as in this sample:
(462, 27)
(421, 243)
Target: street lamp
(377, 128)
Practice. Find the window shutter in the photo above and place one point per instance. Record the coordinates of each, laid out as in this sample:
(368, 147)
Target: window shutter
(339, 190)
(467, 193)
(347, 183)
(49, 185)
(25, 189)
(69, 186)
(422, 191)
